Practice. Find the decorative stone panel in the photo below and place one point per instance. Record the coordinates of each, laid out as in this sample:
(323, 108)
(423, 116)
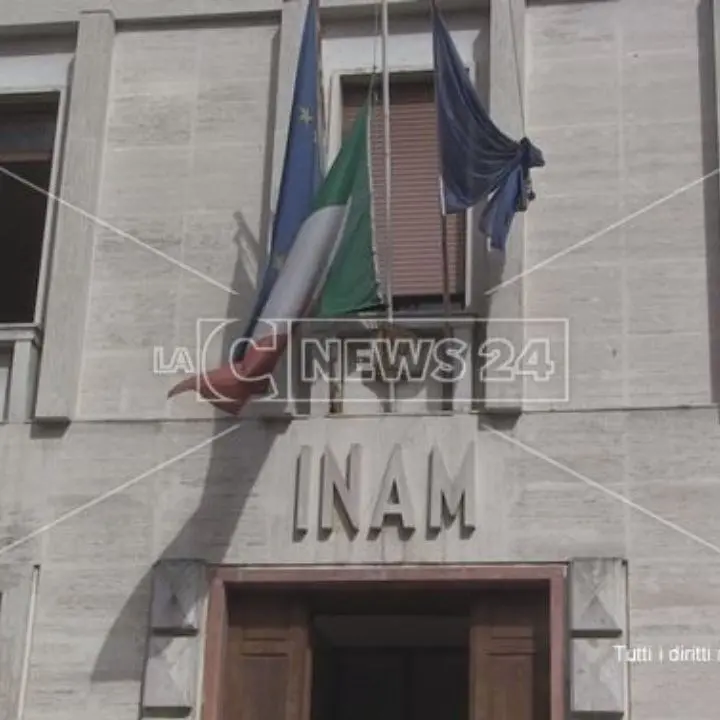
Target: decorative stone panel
(170, 686)
(598, 685)
(177, 587)
(599, 596)
(598, 625)
(171, 674)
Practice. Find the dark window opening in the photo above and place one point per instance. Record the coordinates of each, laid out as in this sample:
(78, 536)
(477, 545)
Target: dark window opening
(417, 264)
(27, 135)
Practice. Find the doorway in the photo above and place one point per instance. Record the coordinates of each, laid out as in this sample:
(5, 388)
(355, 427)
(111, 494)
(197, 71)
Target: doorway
(388, 654)
(390, 667)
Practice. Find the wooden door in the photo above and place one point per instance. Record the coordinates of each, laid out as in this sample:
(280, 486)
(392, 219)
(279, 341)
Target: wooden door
(509, 658)
(268, 661)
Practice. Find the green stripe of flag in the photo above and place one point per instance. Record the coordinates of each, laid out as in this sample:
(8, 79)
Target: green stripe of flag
(352, 284)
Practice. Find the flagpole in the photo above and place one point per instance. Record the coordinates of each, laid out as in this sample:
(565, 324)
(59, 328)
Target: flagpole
(388, 180)
(445, 256)
(441, 197)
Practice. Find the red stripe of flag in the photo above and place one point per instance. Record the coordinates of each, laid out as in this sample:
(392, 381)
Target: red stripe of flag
(229, 387)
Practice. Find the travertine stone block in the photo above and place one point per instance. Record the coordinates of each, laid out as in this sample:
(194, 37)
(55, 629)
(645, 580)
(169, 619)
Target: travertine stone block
(598, 620)
(178, 588)
(598, 588)
(170, 674)
(598, 677)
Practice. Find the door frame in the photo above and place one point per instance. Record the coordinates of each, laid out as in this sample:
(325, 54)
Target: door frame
(222, 578)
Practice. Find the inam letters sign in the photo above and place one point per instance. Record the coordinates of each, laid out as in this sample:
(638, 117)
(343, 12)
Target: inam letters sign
(345, 497)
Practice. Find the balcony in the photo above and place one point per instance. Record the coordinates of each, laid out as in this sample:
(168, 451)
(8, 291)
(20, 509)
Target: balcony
(367, 366)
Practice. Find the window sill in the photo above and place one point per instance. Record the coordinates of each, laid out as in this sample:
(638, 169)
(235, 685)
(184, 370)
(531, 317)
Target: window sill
(373, 321)
(19, 332)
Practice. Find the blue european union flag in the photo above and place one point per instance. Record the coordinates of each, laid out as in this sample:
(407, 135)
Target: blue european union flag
(500, 210)
(302, 172)
(476, 158)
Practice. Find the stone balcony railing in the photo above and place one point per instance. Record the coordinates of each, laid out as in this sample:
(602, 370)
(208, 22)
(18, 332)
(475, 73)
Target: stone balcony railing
(368, 366)
(420, 364)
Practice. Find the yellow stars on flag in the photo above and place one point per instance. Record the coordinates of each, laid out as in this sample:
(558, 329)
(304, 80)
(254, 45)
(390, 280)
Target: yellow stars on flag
(307, 119)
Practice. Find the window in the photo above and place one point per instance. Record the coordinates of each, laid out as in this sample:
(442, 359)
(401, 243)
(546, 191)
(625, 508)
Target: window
(417, 264)
(27, 138)
(28, 126)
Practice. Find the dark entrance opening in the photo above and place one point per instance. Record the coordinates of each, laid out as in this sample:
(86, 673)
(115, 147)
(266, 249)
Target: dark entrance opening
(390, 667)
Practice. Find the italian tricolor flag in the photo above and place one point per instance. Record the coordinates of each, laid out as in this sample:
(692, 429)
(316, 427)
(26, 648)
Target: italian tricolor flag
(329, 272)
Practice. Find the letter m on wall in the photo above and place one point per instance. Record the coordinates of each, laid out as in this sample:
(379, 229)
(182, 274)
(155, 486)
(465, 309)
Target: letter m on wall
(452, 496)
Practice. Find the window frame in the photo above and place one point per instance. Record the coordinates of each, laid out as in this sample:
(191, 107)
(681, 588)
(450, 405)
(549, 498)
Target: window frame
(30, 73)
(55, 161)
(418, 60)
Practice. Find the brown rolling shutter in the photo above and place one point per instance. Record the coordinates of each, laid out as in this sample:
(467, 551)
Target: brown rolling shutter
(509, 660)
(415, 210)
(268, 662)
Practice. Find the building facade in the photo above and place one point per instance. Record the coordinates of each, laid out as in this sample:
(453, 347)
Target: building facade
(547, 523)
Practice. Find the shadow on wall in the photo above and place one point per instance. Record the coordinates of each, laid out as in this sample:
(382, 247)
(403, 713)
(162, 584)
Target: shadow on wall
(236, 458)
(711, 187)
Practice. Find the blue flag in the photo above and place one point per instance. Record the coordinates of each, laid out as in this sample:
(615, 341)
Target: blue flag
(477, 159)
(498, 215)
(302, 171)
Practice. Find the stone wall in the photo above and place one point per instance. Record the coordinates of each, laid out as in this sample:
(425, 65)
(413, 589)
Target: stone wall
(621, 99)
(186, 170)
(232, 500)
(620, 96)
